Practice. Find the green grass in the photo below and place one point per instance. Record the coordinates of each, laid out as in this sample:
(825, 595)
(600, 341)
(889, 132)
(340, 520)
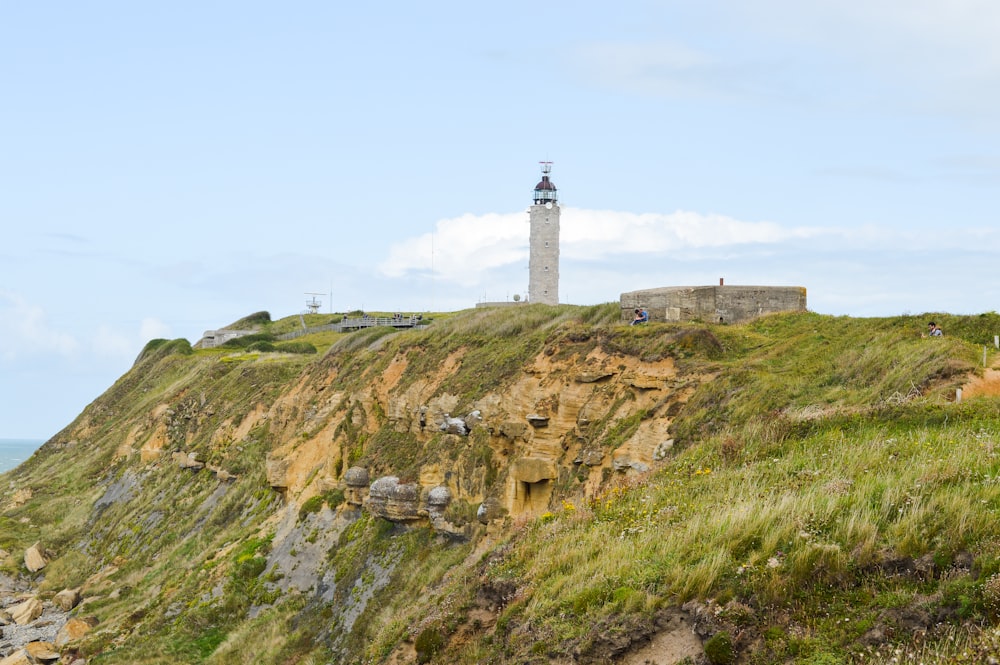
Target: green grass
(823, 484)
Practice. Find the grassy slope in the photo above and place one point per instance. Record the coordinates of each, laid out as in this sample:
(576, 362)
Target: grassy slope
(823, 492)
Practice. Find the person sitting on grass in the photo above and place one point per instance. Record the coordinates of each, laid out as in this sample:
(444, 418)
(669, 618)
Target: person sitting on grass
(641, 316)
(933, 330)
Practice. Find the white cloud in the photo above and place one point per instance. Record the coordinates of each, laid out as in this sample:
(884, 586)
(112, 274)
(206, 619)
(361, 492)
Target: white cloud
(467, 248)
(462, 248)
(24, 330)
(922, 54)
(126, 344)
(151, 328)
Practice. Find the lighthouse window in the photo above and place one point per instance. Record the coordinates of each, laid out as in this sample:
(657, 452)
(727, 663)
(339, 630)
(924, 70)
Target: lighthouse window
(546, 243)
(546, 268)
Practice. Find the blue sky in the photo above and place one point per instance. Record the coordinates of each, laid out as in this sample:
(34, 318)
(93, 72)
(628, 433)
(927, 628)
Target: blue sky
(169, 168)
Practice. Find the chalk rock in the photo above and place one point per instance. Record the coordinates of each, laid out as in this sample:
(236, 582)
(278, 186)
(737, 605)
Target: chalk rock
(26, 612)
(34, 558)
(67, 599)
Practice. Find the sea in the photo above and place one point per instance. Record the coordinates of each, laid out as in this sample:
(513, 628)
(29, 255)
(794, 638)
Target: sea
(15, 451)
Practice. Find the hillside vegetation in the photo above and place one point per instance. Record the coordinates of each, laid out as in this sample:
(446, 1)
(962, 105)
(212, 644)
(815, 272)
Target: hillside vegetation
(799, 489)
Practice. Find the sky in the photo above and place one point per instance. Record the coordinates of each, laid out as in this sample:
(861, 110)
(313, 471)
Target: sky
(168, 168)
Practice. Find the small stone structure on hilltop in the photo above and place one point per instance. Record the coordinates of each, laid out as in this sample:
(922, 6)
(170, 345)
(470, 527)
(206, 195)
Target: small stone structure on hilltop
(717, 304)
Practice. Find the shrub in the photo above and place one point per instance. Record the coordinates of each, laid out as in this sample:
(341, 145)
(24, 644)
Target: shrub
(429, 642)
(295, 347)
(312, 505)
(250, 321)
(719, 649)
(247, 340)
(262, 346)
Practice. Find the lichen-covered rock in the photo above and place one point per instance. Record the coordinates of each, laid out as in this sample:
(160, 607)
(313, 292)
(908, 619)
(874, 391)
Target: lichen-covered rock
(404, 503)
(438, 499)
(356, 481)
(391, 500)
(356, 476)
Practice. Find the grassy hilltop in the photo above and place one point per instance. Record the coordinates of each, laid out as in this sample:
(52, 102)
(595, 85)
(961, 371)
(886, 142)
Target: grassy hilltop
(799, 489)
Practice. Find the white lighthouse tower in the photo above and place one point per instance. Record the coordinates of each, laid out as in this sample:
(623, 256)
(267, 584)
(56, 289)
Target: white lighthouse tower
(543, 261)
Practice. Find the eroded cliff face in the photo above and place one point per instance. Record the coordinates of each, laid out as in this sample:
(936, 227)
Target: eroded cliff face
(571, 421)
(260, 474)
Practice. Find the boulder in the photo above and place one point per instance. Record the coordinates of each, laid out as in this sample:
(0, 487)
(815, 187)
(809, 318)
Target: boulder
(19, 657)
(438, 499)
(391, 500)
(356, 476)
(26, 612)
(590, 457)
(624, 463)
(490, 509)
(536, 420)
(73, 630)
(454, 426)
(356, 479)
(5, 618)
(187, 461)
(276, 469)
(663, 449)
(473, 419)
(41, 652)
(34, 558)
(67, 599)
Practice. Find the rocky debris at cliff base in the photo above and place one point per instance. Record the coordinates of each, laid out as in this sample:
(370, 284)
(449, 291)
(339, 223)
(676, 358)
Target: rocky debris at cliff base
(15, 637)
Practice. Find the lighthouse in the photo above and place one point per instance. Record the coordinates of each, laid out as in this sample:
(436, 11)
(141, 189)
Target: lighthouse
(543, 243)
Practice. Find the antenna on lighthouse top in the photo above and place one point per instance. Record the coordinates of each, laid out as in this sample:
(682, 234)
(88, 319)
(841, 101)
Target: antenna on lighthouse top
(546, 167)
